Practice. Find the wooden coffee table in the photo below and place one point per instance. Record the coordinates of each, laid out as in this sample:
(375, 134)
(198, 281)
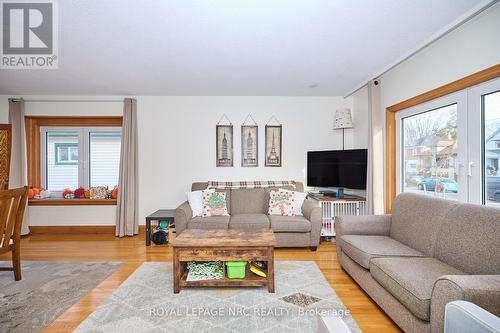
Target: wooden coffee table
(224, 245)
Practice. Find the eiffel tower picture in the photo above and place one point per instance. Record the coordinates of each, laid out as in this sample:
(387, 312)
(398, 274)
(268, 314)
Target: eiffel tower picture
(273, 146)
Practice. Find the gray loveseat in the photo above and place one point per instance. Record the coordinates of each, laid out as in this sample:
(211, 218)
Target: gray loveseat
(427, 253)
(248, 211)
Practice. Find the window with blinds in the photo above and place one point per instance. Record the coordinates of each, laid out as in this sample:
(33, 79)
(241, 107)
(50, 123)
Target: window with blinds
(80, 157)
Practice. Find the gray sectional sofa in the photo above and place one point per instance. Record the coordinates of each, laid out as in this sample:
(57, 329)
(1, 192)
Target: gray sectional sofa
(427, 253)
(248, 211)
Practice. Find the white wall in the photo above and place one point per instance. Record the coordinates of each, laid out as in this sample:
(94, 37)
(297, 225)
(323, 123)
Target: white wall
(71, 215)
(177, 140)
(471, 48)
(358, 138)
(177, 143)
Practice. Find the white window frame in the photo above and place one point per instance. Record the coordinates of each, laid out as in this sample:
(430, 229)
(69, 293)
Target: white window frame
(83, 150)
(476, 160)
(471, 145)
(459, 98)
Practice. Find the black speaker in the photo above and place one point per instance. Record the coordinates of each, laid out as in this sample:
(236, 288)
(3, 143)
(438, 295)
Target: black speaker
(160, 236)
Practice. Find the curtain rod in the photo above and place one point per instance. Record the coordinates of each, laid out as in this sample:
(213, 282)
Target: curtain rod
(70, 100)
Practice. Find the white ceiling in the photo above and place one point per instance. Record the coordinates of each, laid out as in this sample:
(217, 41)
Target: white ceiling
(231, 47)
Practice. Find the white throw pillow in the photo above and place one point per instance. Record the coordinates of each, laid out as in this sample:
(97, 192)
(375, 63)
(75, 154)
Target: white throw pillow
(195, 200)
(299, 200)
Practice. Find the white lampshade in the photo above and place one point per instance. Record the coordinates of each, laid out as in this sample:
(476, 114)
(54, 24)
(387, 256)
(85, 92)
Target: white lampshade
(343, 119)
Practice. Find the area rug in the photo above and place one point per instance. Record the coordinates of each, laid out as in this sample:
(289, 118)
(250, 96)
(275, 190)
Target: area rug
(145, 302)
(46, 290)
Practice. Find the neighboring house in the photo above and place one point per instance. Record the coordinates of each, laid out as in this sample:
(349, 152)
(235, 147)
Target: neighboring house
(492, 153)
(62, 160)
(446, 159)
(432, 156)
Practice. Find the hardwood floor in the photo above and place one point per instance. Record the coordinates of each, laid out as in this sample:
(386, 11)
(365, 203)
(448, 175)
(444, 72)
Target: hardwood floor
(132, 251)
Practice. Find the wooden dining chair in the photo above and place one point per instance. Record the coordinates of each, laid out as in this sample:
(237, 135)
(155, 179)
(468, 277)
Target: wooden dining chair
(12, 206)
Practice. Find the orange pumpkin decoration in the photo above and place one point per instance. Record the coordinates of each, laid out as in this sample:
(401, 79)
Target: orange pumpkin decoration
(31, 193)
(66, 191)
(36, 191)
(114, 193)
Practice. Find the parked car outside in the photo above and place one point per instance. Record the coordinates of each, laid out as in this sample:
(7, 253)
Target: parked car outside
(438, 184)
(493, 188)
(413, 180)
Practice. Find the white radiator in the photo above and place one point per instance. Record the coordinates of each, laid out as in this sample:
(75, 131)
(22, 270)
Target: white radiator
(332, 209)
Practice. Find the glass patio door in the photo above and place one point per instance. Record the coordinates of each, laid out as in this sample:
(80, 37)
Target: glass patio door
(484, 143)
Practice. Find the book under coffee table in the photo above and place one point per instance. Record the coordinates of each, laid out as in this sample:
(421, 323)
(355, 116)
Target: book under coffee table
(224, 245)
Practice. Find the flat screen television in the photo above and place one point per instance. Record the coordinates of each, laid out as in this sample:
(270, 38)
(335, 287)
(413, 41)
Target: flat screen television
(337, 168)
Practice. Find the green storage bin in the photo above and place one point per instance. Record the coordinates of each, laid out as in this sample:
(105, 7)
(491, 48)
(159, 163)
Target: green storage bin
(236, 269)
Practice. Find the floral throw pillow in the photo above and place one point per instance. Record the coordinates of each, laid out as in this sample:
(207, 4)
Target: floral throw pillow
(300, 197)
(281, 203)
(214, 203)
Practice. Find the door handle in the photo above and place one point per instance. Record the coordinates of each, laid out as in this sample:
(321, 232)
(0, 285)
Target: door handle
(469, 168)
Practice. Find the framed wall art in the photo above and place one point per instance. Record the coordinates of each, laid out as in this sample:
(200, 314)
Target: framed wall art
(249, 143)
(224, 146)
(249, 146)
(273, 153)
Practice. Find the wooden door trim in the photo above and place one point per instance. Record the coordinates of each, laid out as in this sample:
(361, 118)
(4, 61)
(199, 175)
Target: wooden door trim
(390, 122)
(8, 128)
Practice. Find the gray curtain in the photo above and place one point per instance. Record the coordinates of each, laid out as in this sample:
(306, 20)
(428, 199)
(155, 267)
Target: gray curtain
(127, 223)
(18, 175)
(369, 176)
(375, 176)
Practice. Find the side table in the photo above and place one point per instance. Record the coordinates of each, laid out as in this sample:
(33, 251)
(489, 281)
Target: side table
(159, 215)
